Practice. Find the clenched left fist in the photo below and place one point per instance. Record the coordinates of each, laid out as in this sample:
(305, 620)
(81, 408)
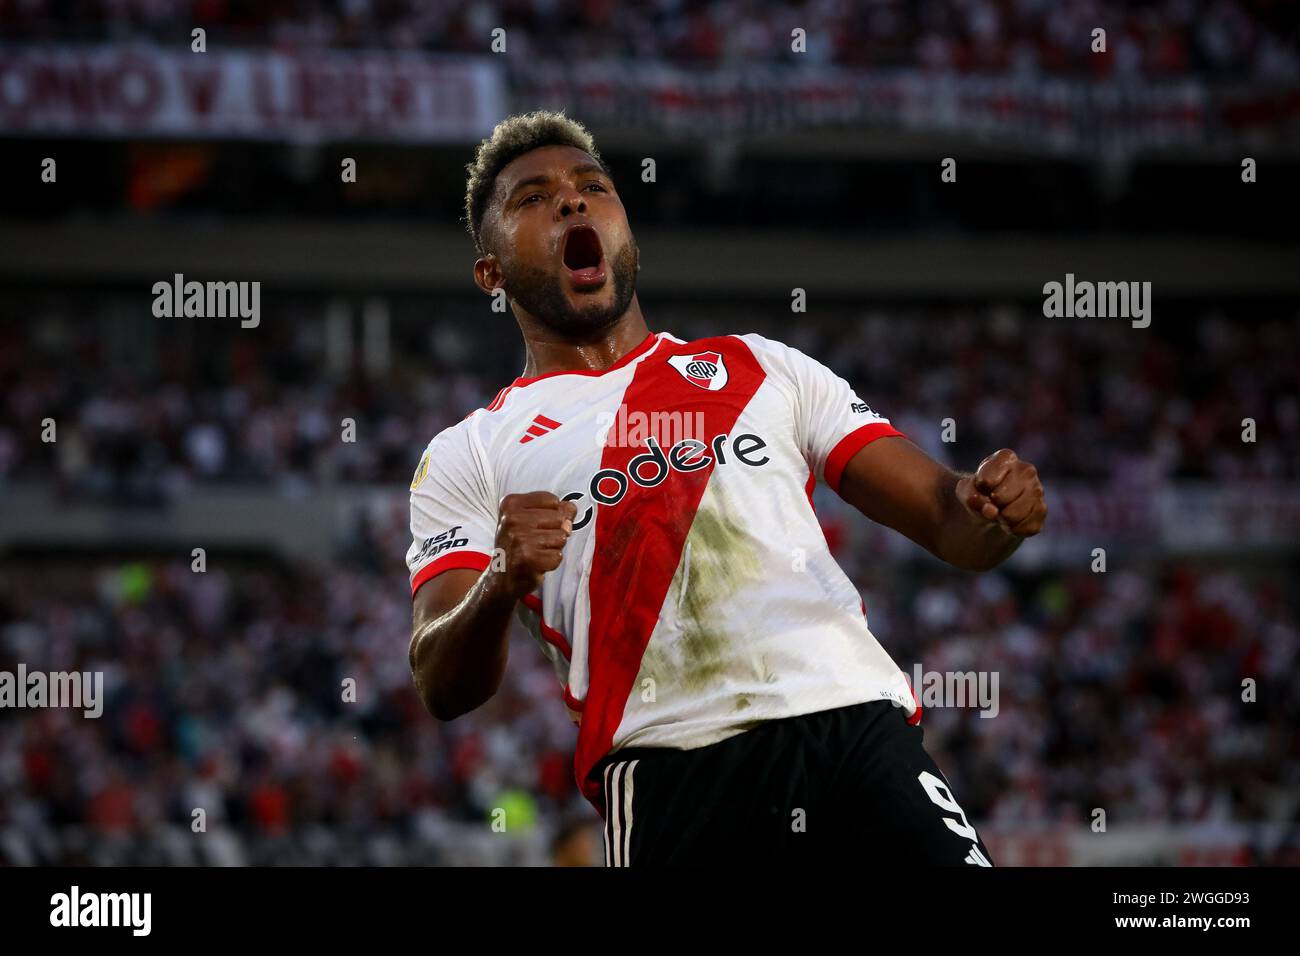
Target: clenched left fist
(1006, 490)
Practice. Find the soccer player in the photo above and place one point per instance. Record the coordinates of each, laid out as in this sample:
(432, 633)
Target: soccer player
(644, 505)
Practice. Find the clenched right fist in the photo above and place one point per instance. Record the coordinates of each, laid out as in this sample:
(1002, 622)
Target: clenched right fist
(531, 533)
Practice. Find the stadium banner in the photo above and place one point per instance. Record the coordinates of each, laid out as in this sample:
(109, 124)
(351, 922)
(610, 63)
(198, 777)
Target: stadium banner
(141, 91)
(1061, 115)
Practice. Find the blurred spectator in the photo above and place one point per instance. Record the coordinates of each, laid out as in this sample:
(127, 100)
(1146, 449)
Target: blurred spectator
(1221, 38)
(1094, 402)
(1119, 690)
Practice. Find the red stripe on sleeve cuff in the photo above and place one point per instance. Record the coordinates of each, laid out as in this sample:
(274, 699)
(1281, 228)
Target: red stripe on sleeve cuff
(473, 560)
(850, 445)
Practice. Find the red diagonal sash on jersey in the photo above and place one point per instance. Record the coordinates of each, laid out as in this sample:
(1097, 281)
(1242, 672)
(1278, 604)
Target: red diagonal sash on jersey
(639, 541)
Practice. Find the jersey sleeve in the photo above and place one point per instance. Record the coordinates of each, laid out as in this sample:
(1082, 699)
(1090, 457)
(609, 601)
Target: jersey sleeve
(832, 422)
(453, 518)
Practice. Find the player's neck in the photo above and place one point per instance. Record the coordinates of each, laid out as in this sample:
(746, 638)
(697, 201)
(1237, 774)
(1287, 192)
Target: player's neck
(547, 351)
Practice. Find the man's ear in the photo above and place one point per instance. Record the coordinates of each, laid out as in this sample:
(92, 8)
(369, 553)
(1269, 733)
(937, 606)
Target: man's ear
(487, 273)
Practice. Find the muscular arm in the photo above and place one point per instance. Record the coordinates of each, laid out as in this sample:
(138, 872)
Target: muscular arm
(459, 625)
(461, 618)
(973, 522)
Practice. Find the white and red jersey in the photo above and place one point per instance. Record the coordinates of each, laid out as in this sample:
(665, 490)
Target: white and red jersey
(697, 595)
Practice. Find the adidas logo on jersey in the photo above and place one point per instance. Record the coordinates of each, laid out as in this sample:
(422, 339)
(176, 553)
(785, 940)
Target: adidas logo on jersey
(541, 426)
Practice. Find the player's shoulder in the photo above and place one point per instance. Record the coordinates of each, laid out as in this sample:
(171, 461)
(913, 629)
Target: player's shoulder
(461, 444)
(453, 436)
(478, 424)
(452, 450)
(763, 347)
(776, 356)
(781, 362)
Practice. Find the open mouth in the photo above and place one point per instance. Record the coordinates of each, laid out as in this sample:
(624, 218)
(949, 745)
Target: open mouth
(583, 256)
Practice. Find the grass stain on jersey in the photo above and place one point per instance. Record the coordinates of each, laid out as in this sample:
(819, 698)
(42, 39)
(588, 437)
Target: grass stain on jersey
(718, 559)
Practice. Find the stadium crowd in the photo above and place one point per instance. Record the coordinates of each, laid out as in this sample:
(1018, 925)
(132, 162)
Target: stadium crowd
(1099, 401)
(226, 692)
(1163, 38)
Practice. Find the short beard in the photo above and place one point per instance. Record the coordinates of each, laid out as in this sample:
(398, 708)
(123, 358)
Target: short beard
(541, 294)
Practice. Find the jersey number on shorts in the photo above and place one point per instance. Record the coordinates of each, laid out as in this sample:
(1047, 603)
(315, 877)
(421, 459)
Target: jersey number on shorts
(941, 797)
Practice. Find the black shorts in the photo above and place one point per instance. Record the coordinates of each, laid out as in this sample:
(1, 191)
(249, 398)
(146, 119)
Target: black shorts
(843, 785)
